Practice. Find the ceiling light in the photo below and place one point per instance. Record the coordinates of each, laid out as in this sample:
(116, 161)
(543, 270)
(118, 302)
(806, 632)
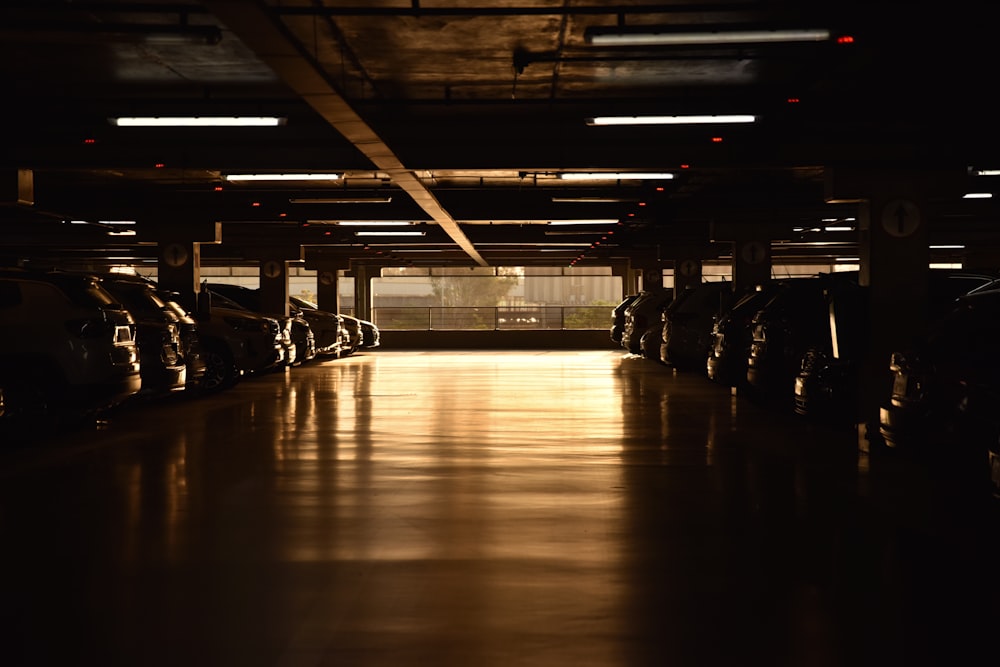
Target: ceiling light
(985, 172)
(367, 223)
(282, 177)
(672, 120)
(614, 176)
(593, 200)
(978, 195)
(370, 233)
(593, 221)
(651, 36)
(197, 121)
(340, 200)
(947, 247)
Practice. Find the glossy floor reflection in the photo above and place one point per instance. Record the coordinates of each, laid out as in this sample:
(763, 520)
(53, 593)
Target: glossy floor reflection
(478, 509)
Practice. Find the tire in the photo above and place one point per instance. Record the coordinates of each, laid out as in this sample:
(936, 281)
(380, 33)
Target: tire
(220, 370)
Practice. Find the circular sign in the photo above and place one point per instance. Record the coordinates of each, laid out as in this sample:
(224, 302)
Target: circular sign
(688, 267)
(326, 278)
(272, 268)
(900, 218)
(753, 252)
(175, 255)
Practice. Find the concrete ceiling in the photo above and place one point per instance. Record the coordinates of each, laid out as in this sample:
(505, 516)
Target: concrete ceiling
(465, 114)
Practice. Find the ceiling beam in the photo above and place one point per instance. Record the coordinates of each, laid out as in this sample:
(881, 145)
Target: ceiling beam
(267, 37)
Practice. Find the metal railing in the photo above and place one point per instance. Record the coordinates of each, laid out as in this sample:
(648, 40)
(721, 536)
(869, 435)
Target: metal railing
(499, 318)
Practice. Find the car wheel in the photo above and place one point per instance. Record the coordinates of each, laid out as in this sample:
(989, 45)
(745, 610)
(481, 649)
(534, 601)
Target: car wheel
(220, 370)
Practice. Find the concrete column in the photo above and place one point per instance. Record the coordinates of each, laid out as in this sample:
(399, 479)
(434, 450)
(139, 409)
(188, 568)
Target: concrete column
(362, 291)
(178, 266)
(751, 262)
(328, 289)
(894, 258)
(687, 273)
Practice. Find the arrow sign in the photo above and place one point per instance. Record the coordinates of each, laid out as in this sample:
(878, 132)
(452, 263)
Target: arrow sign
(900, 218)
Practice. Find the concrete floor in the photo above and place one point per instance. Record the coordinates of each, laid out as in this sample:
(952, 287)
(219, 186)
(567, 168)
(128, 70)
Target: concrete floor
(484, 509)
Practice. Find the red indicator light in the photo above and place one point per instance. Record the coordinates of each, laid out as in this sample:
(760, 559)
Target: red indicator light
(631, 215)
(282, 215)
(716, 140)
(685, 166)
(660, 188)
(90, 141)
(218, 188)
(327, 233)
(845, 39)
(642, 203)
(256, 203)
(793, 100)
(159, 165)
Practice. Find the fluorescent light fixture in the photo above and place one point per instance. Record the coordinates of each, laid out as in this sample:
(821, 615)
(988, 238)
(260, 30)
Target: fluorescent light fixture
(986, 172)
(672, 120)
(121, 232)
(368, 223)
(102, 222)
(586, 221)
(948, 247)
(847, 259)
(593, 200)
(371, 233)
(340, 200)
(614, 176)
(197, 121)
(651, 36)
(838, 228)
(282, 177)
(978, 195)
(945, 265)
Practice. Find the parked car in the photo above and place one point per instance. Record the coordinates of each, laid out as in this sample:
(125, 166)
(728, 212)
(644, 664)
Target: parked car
(238, 342)
(944, 391)
(158, 333)
(191, 347)
(617, 328)
(371, 337)
(643, 314)
(827, 385)
(66, 344)
(732, 334)
(686, 336)
(364, 334)
(328, 328)
(354, 334)
(302, 339)
(795, 319)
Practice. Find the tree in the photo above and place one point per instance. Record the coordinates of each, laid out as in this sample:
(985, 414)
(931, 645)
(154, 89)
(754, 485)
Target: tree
(473, 290)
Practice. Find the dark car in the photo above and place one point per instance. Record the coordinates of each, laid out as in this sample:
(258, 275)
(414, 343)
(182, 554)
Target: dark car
(686, 337)
(944, 391)
(732, 334)
(795, 319)
(163, 333)
(303, 340)
(328, 328)
(617, 329)
(67, 345)
(827, 385)
(642, 315)
(238, 342)
(157, 334)
(371, 337)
